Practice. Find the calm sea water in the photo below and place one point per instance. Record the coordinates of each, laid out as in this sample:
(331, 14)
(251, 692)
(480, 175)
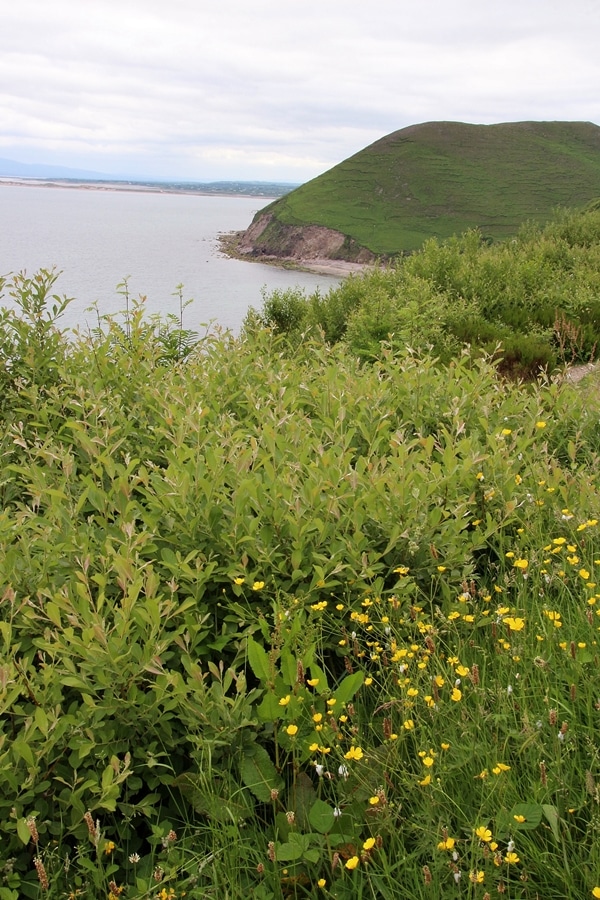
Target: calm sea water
(97, 238)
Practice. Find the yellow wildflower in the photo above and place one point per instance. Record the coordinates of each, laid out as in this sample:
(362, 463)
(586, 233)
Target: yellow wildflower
(354, 753)
(448, 844)
(484, 834)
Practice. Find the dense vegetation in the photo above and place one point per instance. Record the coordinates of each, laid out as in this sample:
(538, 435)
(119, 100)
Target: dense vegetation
(276, 622)
(442, 178)
(537, 295)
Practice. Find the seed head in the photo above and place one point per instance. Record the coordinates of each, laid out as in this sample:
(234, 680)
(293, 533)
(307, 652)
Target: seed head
(41, 873)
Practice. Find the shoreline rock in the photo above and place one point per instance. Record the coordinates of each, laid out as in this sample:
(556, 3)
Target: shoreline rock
(308, 245)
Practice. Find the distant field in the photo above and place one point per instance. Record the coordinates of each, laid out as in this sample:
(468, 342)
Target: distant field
(441, 178)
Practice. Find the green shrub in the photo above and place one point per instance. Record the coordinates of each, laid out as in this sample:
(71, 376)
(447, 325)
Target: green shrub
(252, 599)
(537, 292)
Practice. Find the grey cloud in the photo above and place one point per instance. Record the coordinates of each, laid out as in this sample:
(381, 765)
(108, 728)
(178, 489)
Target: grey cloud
(273, 90)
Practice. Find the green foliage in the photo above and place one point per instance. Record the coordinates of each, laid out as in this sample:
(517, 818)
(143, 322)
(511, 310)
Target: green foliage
(534, 302)
(239, 593)
(31, 345)
(284, 310)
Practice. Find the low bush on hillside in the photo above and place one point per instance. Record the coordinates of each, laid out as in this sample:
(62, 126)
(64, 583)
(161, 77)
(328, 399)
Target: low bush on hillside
(278, 624)
(535, 299)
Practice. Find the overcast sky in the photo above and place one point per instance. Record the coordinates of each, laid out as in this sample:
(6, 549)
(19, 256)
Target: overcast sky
(275, 90)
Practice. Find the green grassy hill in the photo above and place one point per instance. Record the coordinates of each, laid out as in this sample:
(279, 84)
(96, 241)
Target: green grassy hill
(440, 178)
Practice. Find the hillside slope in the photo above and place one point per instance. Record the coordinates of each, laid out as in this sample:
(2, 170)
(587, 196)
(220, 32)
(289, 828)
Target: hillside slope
(432, 180)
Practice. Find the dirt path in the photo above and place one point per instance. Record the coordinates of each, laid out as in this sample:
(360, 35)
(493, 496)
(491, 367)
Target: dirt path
(576, 373)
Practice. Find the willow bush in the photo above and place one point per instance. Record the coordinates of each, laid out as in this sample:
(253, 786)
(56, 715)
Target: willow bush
(276, 621)
(534, 300)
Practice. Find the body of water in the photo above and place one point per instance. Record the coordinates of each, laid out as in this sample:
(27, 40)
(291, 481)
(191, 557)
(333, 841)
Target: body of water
(97, 238)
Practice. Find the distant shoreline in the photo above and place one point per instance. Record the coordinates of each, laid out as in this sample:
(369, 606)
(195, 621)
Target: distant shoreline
(128, 186)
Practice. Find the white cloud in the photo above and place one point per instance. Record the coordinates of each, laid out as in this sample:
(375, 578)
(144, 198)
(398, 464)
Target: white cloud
(267, 90)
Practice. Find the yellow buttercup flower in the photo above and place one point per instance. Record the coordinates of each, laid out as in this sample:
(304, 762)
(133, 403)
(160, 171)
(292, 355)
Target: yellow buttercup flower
(292, 730)
(369, 844)
(484, 834)
(352, 862)
(448, 844)
(258, 585)
(354, 753)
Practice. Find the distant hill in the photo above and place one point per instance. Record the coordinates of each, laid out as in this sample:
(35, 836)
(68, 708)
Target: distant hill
(432, 180)
(11, 168)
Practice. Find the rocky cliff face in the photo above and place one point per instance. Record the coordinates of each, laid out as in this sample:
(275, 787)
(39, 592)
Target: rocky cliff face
(268, 238)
